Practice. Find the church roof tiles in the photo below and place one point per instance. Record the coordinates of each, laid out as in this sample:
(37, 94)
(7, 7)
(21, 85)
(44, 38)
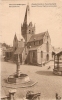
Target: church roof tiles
(36, 37)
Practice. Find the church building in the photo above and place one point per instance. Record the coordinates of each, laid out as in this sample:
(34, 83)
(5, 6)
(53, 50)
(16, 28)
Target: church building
(36, 49)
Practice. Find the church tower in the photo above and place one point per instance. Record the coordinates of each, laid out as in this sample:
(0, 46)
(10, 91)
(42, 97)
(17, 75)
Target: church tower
(27, 29)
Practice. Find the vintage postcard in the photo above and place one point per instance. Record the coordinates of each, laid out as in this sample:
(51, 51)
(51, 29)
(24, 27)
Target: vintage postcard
(31, 49)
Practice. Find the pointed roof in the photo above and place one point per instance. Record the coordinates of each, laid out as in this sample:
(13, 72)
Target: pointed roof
(26, 14)
(15, 37)
(57, 50)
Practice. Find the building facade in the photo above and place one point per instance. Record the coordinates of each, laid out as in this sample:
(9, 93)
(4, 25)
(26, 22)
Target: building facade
(36, 49)
(38, 46)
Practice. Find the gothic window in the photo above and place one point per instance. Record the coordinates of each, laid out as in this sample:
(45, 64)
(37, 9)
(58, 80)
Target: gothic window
(47, 46)
(41, 54)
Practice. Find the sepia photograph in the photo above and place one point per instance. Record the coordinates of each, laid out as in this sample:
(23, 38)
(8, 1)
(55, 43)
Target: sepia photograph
(31, 50)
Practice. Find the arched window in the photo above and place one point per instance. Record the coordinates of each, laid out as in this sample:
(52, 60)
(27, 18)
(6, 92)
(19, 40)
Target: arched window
(47, 46)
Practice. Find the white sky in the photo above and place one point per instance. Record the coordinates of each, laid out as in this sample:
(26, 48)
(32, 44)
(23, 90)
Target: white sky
(44, 18)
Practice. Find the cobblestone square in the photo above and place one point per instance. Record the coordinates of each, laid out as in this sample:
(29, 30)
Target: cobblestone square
(48, 83)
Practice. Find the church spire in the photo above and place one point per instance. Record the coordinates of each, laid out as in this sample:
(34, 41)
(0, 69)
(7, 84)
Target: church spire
(27, 29)
(27, 15)
(15, 37)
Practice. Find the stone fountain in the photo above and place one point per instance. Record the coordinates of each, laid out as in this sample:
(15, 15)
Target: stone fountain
(18, 76)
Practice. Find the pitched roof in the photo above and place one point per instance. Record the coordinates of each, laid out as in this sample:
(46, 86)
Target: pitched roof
(57, 50)
(36, 37)
(19, 50)
(15, 37)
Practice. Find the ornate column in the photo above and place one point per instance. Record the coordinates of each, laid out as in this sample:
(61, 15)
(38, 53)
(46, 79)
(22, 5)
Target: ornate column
(18, 66)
